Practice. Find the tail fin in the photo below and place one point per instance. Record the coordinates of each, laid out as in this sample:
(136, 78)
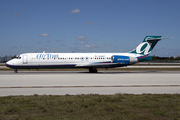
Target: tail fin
(147, 45)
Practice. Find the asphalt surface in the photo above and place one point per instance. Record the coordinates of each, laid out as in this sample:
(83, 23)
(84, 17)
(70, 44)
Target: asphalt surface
(82, 82)
(158, 66)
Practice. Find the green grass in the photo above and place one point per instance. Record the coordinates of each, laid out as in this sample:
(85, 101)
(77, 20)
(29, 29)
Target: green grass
(91, 107)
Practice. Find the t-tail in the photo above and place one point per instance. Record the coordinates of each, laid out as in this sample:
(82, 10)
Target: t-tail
(147, 45)
(145, 48)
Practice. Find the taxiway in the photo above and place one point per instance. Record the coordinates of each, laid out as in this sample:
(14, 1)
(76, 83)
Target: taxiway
(80, 82)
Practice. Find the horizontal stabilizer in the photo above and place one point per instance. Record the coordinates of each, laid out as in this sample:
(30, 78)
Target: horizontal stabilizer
(159, 38)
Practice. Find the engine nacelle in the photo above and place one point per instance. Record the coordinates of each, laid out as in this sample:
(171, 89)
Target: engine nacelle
(123, 59)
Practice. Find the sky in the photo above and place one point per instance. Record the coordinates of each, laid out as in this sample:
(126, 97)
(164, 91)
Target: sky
(81, 26)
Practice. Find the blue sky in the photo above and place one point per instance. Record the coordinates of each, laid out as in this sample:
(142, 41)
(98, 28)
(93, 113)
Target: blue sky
(87, 25)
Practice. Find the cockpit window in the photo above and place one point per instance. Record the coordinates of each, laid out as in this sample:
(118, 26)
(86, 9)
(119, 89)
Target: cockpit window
(17, 57)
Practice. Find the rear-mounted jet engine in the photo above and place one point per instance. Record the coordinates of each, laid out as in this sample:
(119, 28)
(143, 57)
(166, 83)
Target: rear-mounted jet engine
(123, 59)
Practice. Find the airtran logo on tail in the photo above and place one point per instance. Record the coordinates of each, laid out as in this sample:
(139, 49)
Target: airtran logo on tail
(145, 47)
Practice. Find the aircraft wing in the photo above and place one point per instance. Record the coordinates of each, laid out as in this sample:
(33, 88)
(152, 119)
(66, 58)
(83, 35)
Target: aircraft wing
(95, 64)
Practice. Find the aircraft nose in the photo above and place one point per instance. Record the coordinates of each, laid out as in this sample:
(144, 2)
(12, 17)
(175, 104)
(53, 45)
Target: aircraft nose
(9, 63)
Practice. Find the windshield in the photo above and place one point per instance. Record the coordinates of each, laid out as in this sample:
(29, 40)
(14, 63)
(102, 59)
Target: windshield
(17, 57)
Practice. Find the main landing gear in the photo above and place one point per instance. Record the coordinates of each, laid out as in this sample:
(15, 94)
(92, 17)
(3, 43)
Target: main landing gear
(93, 70)
(15, 71)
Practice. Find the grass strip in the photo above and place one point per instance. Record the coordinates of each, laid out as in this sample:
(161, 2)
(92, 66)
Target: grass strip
(92, 106)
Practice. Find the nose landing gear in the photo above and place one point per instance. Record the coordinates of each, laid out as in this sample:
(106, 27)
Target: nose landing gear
(15, 71)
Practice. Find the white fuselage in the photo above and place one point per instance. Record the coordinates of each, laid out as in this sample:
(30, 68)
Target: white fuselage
(64, 60)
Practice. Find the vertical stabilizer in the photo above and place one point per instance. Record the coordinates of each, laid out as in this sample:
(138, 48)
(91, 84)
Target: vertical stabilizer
(147, 45)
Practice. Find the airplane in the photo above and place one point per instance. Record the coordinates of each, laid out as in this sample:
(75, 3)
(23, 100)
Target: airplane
(91, 61)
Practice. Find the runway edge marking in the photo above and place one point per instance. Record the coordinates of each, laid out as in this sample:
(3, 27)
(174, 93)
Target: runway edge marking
(90, 86)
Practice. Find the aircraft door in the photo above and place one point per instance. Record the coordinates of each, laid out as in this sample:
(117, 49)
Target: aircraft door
(25, 59)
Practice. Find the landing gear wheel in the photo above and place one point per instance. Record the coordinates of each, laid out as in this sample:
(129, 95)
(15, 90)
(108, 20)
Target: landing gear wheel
(93, 70)
(15, 71)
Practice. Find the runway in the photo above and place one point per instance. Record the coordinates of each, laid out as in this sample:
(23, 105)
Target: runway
(158, 66)
(80, 82)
